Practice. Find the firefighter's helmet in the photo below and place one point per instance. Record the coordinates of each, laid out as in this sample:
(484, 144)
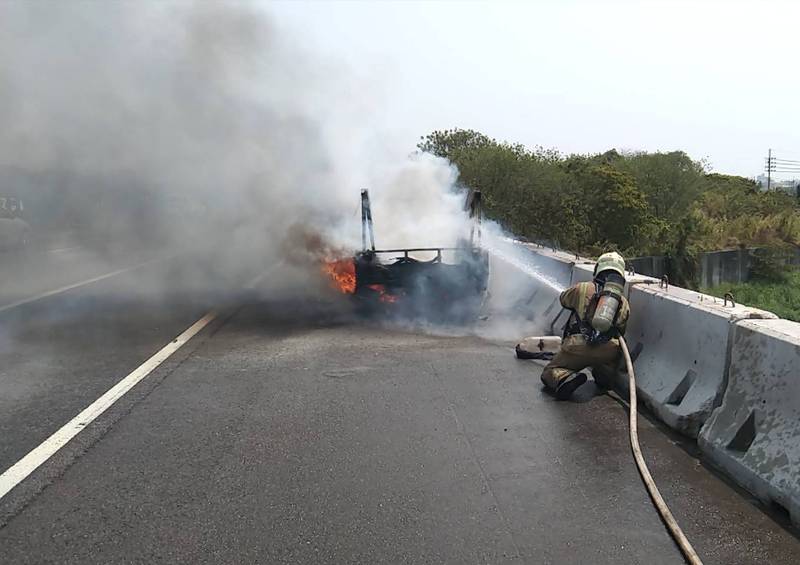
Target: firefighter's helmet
(612, 261)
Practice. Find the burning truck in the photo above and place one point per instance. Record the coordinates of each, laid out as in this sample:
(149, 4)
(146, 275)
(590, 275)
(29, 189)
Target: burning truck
(398, 282)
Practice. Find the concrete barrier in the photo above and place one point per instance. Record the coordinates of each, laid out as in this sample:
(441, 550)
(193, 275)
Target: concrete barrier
(556, 263)
(679, 340)
(754, 435)
(582, 271)
(679, 351)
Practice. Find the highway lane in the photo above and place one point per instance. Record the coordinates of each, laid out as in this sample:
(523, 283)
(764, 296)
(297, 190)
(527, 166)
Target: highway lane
(59, 353)
(24, 275)
(291, 435)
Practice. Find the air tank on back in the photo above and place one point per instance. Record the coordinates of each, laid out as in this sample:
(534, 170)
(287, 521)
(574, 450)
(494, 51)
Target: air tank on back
(608, 303)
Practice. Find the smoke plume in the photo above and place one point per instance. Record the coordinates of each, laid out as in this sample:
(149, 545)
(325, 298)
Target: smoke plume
(200, 126)
(205, 129)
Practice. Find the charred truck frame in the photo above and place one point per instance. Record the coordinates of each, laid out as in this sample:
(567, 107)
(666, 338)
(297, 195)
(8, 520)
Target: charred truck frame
(429, 289)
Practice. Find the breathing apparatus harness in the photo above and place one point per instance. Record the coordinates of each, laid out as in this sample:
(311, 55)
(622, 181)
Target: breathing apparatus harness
(603, 310)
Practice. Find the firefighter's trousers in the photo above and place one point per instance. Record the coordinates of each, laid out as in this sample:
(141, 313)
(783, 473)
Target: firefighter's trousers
(575, 355)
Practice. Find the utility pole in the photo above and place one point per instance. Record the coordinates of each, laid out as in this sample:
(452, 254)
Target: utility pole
(770, 167)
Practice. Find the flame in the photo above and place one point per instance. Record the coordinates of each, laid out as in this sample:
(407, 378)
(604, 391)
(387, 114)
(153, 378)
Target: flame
(342, 273)
(383, 295)
(343, 277)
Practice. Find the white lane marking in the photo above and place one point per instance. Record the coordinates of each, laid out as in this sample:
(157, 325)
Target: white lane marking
(74, 285)
(63, 249)
(28, 464)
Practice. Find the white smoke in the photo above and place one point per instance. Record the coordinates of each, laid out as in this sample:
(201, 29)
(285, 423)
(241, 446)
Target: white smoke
(415, 204)
(223, 131)
(205, 127)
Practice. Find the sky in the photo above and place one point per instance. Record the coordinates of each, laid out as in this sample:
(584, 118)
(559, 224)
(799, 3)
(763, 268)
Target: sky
(718, 80)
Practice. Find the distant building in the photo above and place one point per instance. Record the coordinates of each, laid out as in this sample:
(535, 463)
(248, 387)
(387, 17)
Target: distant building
(789, 186)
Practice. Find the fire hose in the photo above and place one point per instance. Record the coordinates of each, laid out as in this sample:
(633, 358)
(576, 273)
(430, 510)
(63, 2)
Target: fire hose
(669, 520)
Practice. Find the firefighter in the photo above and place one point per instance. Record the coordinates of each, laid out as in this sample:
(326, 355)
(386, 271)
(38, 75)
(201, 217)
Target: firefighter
(599, 313)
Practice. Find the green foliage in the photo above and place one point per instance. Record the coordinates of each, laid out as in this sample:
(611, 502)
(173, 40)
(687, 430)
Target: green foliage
(781, 298)
(637, 203)
(670, 181)
(769, 264)
(619, 209)
(732, 211)
(450, 143)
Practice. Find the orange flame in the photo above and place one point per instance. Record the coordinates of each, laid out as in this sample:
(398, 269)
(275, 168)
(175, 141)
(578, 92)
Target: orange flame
(383, 295)
(342, 273)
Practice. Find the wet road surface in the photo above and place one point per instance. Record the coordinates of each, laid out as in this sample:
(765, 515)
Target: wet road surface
(282, 434)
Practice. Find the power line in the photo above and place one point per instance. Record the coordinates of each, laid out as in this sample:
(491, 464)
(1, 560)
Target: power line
(780, 166)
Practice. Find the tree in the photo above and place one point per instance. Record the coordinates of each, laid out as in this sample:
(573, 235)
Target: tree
(671, 181)
(618, 209)
(450, 143)
(639, 203)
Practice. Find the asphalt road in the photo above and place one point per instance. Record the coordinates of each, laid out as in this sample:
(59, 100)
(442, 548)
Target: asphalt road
(26, 274)
(291, 433)
(58, 353)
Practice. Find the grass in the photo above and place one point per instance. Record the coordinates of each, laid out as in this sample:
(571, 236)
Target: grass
(781, 298)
